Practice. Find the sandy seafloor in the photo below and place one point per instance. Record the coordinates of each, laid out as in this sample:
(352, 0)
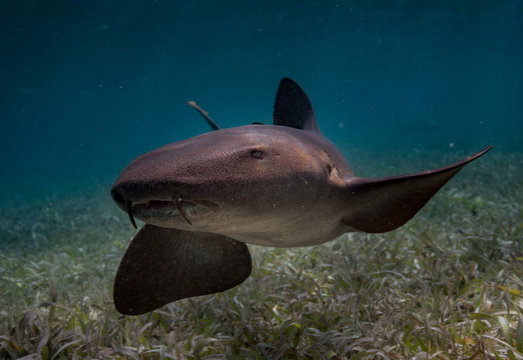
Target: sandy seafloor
(438, 285)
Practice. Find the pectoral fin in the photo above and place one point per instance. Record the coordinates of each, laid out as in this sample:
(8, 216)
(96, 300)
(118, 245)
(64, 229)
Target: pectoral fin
(383, 204)
(163, 265)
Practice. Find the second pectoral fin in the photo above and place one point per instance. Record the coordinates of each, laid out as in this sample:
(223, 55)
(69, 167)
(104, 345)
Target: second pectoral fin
(163, 265)
(383, 204)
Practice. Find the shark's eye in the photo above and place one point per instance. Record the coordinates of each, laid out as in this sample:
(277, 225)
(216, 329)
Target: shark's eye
(257, 154)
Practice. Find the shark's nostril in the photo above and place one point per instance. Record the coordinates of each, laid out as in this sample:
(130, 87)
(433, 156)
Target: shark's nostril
(123, 203)
(177, 202)
(129, 206)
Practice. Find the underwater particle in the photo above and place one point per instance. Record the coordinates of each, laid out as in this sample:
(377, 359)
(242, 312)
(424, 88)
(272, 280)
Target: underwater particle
(451, 145)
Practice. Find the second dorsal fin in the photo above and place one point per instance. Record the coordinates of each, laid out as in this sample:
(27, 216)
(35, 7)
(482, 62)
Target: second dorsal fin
(292, 107)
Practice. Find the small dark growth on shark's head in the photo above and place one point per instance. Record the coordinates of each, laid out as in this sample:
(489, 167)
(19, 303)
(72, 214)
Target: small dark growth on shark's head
(281, 185)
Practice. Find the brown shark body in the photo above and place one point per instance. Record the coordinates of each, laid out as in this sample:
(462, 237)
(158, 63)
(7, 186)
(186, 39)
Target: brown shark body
(281, 185)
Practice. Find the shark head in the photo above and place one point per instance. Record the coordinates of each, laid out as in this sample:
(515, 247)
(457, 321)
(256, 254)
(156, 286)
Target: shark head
(237, 180)
(283, 185)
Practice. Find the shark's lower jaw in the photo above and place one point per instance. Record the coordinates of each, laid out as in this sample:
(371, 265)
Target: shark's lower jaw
(171, 212)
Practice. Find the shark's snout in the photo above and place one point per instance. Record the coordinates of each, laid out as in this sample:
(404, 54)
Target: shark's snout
(118, 197)
(122, 199)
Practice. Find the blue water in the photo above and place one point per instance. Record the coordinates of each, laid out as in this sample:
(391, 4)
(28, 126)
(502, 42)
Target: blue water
(86, 86)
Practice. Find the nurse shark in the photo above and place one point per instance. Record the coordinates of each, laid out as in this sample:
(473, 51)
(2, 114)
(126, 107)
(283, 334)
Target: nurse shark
(283, 185)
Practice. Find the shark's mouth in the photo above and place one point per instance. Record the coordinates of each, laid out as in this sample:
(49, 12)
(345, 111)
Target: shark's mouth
(159, 211)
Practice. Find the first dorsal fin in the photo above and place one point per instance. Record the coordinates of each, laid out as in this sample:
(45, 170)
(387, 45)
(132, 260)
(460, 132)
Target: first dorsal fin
(292, 107)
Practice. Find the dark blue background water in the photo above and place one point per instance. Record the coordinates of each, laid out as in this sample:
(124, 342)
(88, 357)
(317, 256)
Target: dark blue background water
(86, 86)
